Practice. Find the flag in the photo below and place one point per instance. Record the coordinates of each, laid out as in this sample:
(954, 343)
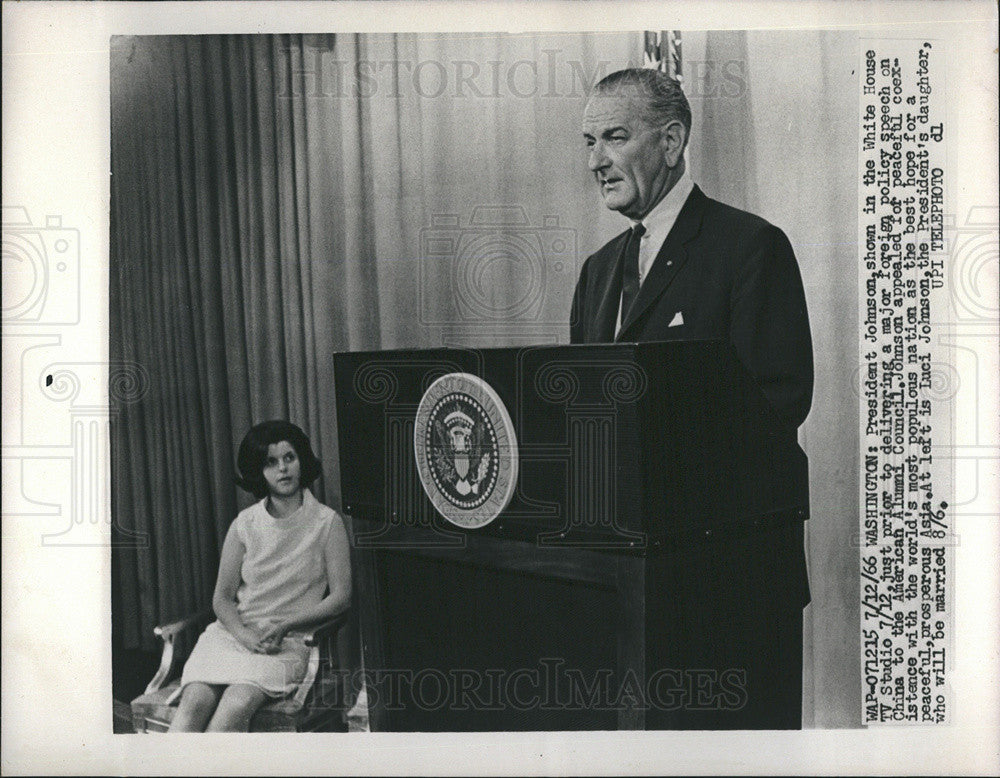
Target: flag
(662, 51)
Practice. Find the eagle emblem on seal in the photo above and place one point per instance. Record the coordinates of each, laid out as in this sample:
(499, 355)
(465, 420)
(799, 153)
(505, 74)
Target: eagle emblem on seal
(459, 453)
(466, 450)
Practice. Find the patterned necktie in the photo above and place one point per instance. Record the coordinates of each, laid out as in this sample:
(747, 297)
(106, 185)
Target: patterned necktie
(630, 269)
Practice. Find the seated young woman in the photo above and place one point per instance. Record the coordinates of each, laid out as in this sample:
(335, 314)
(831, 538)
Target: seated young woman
(285, 566)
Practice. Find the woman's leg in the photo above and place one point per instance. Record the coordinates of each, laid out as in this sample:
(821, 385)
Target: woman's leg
(236, 707)
(198, 702)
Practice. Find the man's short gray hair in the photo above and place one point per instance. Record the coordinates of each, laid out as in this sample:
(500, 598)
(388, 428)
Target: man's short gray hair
(663, 101)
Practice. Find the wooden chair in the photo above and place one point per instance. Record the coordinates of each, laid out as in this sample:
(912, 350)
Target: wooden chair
(318, 705)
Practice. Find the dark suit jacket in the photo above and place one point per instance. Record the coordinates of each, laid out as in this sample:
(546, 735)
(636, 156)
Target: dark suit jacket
(731, 275)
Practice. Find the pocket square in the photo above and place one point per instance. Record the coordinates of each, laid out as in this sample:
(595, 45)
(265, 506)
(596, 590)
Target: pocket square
(677, 321)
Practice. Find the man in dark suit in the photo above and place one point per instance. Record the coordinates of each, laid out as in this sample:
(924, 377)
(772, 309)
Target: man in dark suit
(706, 270)
(692, 268)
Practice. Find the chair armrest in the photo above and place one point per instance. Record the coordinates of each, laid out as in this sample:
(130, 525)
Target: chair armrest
(325, 629)
(315, 638)
(167, 633)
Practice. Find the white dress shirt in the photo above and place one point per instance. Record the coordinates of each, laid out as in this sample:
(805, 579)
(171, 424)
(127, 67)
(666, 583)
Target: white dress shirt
(658, 224)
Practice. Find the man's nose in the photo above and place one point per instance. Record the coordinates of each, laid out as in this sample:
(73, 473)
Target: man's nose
(598, 160)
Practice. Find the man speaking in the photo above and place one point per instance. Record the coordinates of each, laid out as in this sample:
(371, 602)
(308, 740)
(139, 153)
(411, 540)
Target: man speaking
(692, 268)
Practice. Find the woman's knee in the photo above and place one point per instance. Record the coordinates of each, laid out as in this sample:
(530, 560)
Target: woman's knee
(236, 707)
(200, 694)
(243, 695)
(198, 702)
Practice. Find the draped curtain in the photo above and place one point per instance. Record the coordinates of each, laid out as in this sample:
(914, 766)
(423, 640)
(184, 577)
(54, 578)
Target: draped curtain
(220, 288)
(276, 199)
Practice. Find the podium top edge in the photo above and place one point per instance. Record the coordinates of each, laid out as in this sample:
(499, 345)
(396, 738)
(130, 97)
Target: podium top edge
(623, 346)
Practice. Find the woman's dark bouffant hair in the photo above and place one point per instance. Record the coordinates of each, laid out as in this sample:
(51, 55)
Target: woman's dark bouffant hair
(253, 455)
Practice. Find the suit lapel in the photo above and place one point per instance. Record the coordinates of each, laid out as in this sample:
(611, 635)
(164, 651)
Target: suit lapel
(610, 295)
(669, 260)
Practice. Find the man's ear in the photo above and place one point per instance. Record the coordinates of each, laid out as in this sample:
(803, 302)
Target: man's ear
(673, 136)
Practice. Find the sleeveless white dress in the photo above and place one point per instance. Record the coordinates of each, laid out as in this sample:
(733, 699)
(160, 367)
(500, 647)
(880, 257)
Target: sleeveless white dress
(284, 571)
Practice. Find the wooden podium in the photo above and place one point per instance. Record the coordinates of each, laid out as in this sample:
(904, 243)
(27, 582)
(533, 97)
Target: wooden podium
(647, 570)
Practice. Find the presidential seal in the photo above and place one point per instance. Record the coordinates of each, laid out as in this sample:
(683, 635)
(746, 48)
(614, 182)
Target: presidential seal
(466, 450)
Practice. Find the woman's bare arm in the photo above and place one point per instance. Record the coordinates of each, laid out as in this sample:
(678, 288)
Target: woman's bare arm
(226, 585)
